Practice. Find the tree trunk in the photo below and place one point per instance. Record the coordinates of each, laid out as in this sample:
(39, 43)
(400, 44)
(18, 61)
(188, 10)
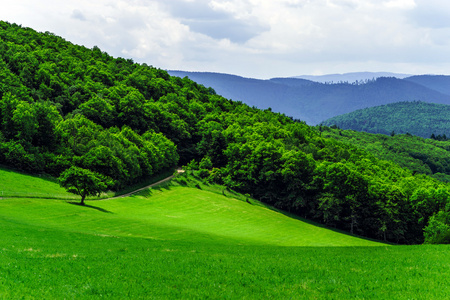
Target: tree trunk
(352, 224)
(82, 199)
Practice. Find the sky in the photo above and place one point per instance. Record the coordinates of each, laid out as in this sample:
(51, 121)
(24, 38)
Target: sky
(253, 38)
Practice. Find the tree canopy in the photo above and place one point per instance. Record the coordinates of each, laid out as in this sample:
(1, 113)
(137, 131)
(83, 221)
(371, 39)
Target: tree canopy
(416, 118)
(426, 156)
(83, 182)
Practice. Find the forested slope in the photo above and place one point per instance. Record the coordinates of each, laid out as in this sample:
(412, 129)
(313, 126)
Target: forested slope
(420, 155)
(440, 83)
(417, 118)
(65, 105)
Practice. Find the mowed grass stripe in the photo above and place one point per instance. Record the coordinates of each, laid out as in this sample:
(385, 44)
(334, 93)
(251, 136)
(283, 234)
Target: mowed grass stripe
(178, 213)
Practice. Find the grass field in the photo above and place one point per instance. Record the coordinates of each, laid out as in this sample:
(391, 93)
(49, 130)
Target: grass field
(184, 243)
(16, 184)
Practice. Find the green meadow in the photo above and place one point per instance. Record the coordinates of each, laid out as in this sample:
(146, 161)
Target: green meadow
(181, 242)
(15, 184)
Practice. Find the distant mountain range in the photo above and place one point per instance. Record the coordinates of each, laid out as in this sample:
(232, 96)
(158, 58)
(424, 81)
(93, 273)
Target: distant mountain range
(440, 83)
(351, 77)
(314, 102)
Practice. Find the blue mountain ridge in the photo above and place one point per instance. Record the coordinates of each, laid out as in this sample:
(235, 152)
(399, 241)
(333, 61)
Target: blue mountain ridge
(314, 102)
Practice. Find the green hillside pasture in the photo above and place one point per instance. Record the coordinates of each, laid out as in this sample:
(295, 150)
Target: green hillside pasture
(42, 263)
(177, 213)
(184, 243)
(15, 184)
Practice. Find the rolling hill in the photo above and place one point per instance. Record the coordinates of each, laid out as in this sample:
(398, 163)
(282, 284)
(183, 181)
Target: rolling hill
(180, 242)
(417, 118)
(171, 212)
(426, 156)
(315, 102)
(440, 83)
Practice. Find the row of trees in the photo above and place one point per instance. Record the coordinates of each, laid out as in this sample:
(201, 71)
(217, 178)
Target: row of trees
(64, 108)
(439, 137)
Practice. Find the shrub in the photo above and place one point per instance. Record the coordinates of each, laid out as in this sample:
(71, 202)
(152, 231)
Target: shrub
(438, 229)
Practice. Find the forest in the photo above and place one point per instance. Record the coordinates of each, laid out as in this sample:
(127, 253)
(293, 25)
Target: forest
(420, 155)
(64, 105)
(416, 118)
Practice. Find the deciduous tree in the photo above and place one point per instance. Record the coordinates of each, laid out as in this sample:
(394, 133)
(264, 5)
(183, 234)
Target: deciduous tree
(83, 182)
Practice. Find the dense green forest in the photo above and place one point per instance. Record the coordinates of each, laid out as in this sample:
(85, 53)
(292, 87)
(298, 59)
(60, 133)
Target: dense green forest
(417, 118)
(420, 155)
(64, 105)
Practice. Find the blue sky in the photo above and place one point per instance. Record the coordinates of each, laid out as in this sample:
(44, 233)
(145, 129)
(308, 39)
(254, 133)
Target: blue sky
(254, 38)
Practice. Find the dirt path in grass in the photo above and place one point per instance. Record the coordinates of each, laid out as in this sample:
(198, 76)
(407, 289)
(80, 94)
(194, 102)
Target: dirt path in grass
(145, 187)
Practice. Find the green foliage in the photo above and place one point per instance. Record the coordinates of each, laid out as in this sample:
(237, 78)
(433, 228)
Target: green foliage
(205, 163)
(417, 118)
(438, 229)
(83, 182)
(420, 155)
(314, 102)
(60, 105)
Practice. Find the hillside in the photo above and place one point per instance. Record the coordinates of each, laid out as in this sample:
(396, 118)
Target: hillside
(440, 83)
(315, 102)
(426, 156)
(179, 242)
(169, 212)
(64, 106)
(15, 184)
(417, 118)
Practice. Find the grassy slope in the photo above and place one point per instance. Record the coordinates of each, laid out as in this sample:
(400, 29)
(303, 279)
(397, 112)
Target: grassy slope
(178, 213)
(16, 184)
(179, 242)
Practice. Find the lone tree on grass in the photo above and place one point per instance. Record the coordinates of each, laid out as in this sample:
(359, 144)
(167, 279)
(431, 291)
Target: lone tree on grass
(83, 182)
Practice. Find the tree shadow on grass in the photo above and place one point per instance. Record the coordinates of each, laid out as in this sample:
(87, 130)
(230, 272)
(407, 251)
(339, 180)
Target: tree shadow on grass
(163, 186)
(144, 193)
(149, 192)
(93, 207)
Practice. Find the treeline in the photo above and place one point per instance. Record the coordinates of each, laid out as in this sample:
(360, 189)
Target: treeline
(64, 105)
(416, 118)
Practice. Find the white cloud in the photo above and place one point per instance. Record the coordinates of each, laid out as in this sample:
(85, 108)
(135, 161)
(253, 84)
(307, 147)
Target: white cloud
(432, 13)
(258, 38)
